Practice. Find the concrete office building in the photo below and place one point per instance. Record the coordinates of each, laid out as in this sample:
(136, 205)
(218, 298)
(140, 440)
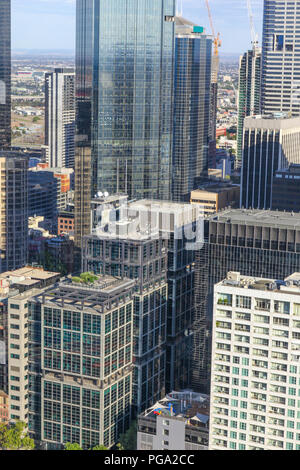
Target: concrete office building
(249, 93)
(23, 341)
(173, 223)
(132, 253)
(270, 143)
(213, 197)
(60, 118)
(280, 57)
(252, 242)
(255, 364)
(178, 422)
(87, 345)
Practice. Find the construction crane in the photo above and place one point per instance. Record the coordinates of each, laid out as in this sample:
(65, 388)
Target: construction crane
(217, 40)
(254, 35)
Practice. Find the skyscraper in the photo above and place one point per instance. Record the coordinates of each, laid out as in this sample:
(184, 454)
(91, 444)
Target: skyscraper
(255, 373)
(5, 74)
(60, 118)
(249, 92)
(192, 87)
(254, 243)
(14, 210)
(280, 57)
(124, 91)
(141, 256)
(270, 143)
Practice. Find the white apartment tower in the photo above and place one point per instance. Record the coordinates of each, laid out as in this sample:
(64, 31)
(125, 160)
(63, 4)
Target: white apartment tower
(60, 118)
(281, 57)
(255, 382)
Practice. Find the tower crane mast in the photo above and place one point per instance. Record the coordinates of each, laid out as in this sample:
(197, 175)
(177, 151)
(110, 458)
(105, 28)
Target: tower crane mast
(217, 40)
(254, 35)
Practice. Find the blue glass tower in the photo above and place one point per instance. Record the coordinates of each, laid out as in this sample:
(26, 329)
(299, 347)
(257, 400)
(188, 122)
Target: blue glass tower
(5, 73)
(280, 57)
(125, 51)
(192, 95)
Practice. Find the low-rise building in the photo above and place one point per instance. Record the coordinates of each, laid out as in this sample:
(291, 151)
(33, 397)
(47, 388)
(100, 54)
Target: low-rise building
(4, 408)
(66, 224)
(178, 422)
(213, 197)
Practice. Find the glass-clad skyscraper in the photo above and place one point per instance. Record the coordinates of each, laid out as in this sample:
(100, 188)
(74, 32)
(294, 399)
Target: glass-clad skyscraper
(125, 51)
(192, 91)
(280, 57)
(249, 92)
(5, 73)
(124, 94)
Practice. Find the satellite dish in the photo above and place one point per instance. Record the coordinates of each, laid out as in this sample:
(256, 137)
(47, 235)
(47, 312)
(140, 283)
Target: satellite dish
(100, 194)
(106, 194)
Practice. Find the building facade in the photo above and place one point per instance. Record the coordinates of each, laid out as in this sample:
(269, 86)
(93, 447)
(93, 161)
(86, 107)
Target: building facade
(178, 422)
(175, 224)
(212, 197)
(178, 225)
(249, 93)
(280, 57)
(192, 87)
(87, 345)
(270, 143)
(255, 364)
(14, 210)
(124, 95)
(5, 74)
(286, 194)
(60, 118)
(254, 243)
(4, 408)
(137, 256)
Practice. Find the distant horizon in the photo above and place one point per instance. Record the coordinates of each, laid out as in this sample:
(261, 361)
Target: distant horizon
(72, 52)
(51, 23)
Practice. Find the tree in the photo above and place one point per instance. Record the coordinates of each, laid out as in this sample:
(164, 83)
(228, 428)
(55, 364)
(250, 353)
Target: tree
(128, 441)
(72, 446)
(15, 437)
(99, 448)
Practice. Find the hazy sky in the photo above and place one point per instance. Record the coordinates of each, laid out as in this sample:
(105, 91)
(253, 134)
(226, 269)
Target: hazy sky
(50, 24)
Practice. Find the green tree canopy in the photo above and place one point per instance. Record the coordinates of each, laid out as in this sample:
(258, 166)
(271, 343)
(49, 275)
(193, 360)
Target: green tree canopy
(72, 446)
(15, 437)
(128, 441)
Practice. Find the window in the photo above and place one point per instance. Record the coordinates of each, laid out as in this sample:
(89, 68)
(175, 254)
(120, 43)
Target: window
(278, 42)
(281, 307)
(243, 302)
(15, 307)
